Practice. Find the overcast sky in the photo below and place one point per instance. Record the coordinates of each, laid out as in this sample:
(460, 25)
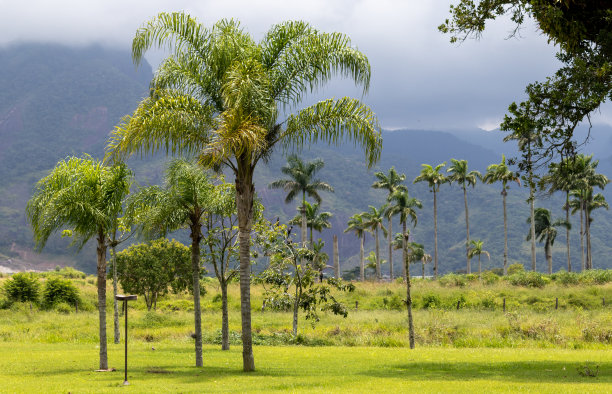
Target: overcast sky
(419, 80)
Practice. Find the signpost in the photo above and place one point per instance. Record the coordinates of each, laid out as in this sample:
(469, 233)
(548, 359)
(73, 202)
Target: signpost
(125, 299)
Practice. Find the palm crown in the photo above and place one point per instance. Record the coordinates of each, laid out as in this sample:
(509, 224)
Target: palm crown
(459, 173)
(301, 176)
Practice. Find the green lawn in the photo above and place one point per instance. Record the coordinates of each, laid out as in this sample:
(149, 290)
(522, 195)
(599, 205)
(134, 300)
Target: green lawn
(69, 367)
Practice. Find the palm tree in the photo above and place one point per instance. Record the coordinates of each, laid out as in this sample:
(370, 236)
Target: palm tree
(87, 197)
(221, 95)
(405, 206)
(315, 220)
(501, 173)
(585, 178)
(416, 253)
(358, 226)
(592, 203)
(391, 182)
(562, 176)
(459, 173)
(301, 180)
(434, 178)
(184, 202)
(586, 202)
(546, 231)
(528, 141)
(476, 250)
(373, 221)
(425, 260)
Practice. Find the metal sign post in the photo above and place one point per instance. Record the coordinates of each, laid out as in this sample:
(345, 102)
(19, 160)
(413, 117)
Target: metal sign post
(125, 299)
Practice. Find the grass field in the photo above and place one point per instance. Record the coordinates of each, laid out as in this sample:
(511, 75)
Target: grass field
(69, 367)
(530, 347)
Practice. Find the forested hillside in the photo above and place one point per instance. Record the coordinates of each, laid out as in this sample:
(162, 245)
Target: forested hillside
(57, 101)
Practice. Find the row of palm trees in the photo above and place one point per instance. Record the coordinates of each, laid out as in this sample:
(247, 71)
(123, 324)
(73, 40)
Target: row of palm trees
(576, 176)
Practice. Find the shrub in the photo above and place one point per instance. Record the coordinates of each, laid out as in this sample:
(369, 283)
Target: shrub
(598, 277)
(59, 290)
(515, 268)
(529, 279)
(22, 287)
(565, 278)
(453, 280)
(63, 307)
(489, 278)
(431, 301)
(393, 303)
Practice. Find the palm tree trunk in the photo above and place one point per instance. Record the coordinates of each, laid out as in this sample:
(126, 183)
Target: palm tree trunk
(101, 268)
(504, 194)
(532, 229)
(423, 268)
(479, 269)
(117, 335)
(548, 251)
(567, 231)
(197, 310)
(582, 263)
(225, 345)
(435, 235)
(244, 204)
(467, 230)
(336, 258)
(361, 257)
(304, 220)
(378, 273)
(408, 297)
(390, 240)
(296, 307)
(587, 225)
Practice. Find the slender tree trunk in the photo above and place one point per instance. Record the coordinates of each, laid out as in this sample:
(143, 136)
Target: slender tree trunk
(361, 257)
(304, 220)
(479, 269)
(195, 272)
(423, 268)
(467, 230)
(336, 258)
(244, 204)
(504, 193)
(389, 241)
(567, 232)
(548, 251)
(532, 229)
(408, 297)
(587, 225)
(296, 308)
(435, 234)
(378, 271)
(582, 263)
(225, 345)
(101, 268)
(117, 335)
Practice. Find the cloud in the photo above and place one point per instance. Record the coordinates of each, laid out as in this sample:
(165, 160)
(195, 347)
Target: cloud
(419, 79)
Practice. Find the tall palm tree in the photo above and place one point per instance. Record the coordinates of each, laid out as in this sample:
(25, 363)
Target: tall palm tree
(391, 182)
(401, 203)
(476, 250)
(373, 221)
(562, 177)
(592, 202)
(315, 220)
(184, 202)
(434, 178)
(501, 173)
(459, 173)
(417, 253)
(585, 202)
(301, 181)
(223, 96)
(546, 231)
(86, 196)
(357, 224)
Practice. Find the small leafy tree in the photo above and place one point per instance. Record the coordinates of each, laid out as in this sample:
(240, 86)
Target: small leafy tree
(285, 274)
(59, 290)
(22, 287)
(151, 269)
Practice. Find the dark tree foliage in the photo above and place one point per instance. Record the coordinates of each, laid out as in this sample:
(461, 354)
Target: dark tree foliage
(59, 290)
(22, 287)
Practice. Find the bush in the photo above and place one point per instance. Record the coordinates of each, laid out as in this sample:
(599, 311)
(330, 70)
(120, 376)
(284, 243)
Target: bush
(22, 287)
(63, 307)
(529, 279)
(565, 278)
(515, 268)
(598, 277)
(489, 278)
(431, 301)
(59, 290)
(453, 280)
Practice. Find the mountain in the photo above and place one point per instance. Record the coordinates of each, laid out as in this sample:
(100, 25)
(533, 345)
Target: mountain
(58, 101)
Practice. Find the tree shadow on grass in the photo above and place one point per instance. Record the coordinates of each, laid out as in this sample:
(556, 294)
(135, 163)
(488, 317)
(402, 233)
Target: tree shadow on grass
(510, 371)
